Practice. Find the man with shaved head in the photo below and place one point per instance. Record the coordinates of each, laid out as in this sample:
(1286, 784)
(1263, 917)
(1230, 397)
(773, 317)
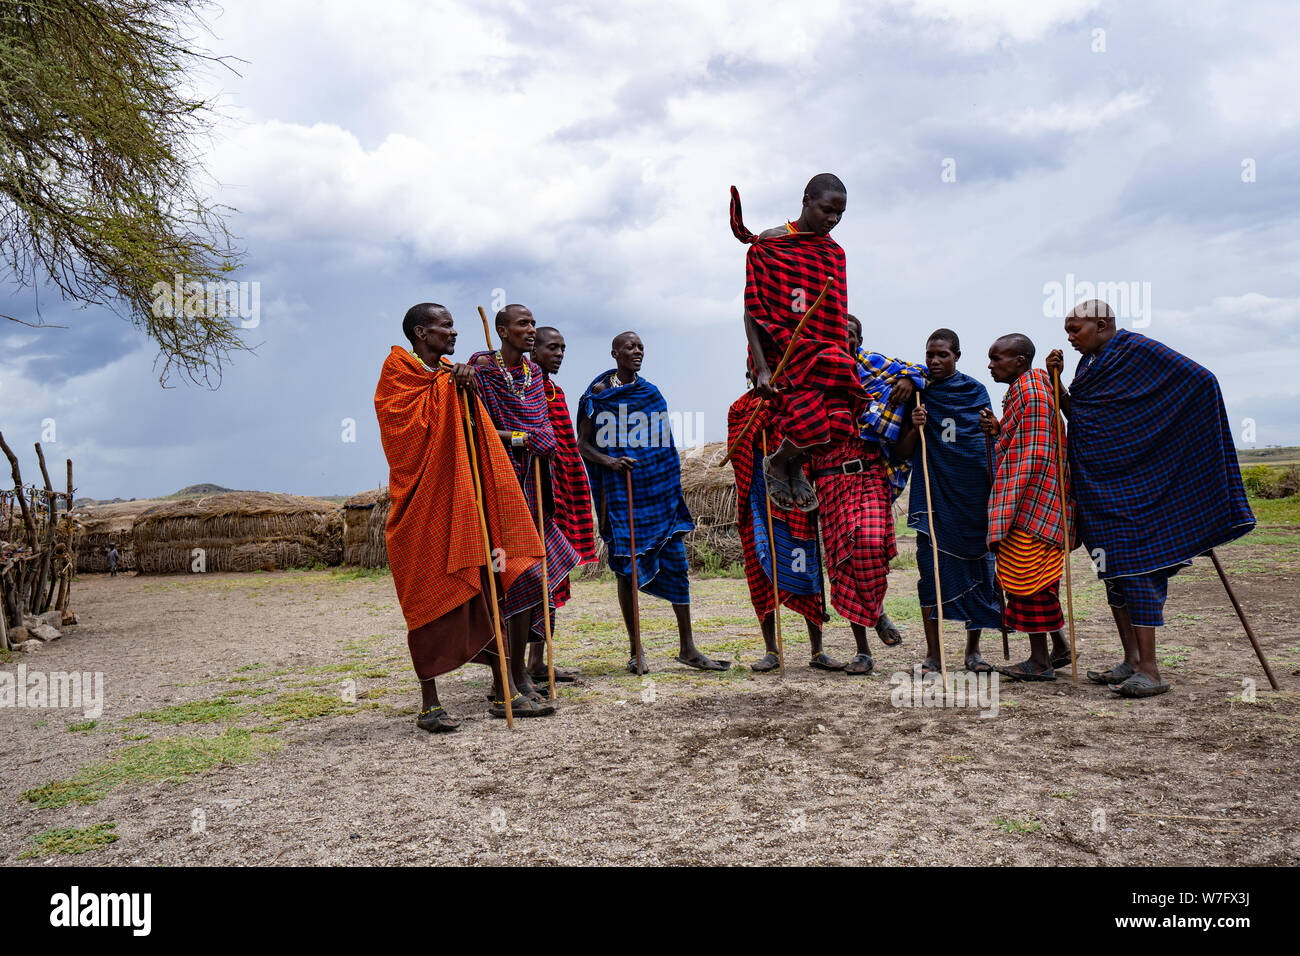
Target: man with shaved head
(441, 581)
(857, 484)
(1024, 507)
(1155, 473)
(956, 514)
(568, 479)
(623, 430)
(513, 391)
(818, 399)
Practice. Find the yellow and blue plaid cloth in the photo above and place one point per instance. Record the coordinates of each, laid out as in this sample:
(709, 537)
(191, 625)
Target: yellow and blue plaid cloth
(879, 423)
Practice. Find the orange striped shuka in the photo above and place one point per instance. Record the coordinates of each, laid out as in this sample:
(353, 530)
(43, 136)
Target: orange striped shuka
(1024, 507)
(435, 540)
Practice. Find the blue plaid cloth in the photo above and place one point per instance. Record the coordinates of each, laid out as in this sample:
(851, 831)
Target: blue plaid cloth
(959, 474)
(1152, 460)
(969, 586)
(800, 561)
(880, 424)
(632, 421)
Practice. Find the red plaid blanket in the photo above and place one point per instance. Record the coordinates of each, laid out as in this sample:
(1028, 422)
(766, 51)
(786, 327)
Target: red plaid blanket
(1024, 492)
(783, 276)
(569, 478)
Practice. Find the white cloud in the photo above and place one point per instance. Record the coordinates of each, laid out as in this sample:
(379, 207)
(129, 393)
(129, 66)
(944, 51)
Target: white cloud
(579, 155)
(982, 24)
(1073, 118)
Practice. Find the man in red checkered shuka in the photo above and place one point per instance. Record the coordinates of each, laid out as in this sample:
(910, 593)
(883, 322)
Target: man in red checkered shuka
(818, 400)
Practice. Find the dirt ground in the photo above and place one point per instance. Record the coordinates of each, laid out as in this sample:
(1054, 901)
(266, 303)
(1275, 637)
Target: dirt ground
(228, 737)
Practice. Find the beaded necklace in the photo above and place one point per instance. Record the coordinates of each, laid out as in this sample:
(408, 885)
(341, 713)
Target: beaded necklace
(616, 382)
(510, 379)
(550, 395)
(421, 361)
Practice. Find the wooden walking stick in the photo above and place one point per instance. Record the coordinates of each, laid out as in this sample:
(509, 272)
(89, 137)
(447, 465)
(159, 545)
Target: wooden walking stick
(1065, 524)
(636, 582)
(546, 590)
(1002, 608)
(486, 334)
(487, 551)
(785, 357)
(776, 587)
(934, 547)
(1250, 633)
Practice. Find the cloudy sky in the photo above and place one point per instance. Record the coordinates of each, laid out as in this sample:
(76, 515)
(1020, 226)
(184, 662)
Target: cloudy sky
(577, 157)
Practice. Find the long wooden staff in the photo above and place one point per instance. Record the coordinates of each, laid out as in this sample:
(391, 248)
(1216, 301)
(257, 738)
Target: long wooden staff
(1065, 526)
(779, 368)
(934, 546)
(636, 581)
(776, 587)
(472, 441)
(1002, 609)
(1250, 633)
(546, 590)
(486, 334)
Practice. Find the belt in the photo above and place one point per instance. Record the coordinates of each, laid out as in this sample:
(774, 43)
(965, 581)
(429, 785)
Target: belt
(854, 466)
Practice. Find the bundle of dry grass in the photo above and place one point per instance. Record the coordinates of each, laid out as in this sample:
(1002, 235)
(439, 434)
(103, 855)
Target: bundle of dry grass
(100, 526)
(239, 531)
(364, 518)
(710, 493)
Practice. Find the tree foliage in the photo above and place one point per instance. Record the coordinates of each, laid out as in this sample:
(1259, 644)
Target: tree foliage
(100, 176)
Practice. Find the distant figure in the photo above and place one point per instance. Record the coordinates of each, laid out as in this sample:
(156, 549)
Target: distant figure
(112, 560)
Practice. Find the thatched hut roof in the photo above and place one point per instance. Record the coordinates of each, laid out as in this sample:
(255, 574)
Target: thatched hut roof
(239, 531)
(367, 499)
(102, 525)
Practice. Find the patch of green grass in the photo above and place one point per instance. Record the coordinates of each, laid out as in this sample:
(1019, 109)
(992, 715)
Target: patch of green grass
(359, 574)
(376, 673)
(1019, 827)
(905, 559)
(1063, 794)
(1275, 512)
(304, 705)
(256, 666)
(713, 565)
(578, 695)
(169, 758)
(1175, 655)
(195, 712)
(136, 736)
(83, 726)
(70, 840)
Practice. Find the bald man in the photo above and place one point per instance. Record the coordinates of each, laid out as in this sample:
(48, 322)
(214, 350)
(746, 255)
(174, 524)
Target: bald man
(569, 480)
(623, 430)
(1156, 475)
(443, 593)
(512, 388)
(1024, 508)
